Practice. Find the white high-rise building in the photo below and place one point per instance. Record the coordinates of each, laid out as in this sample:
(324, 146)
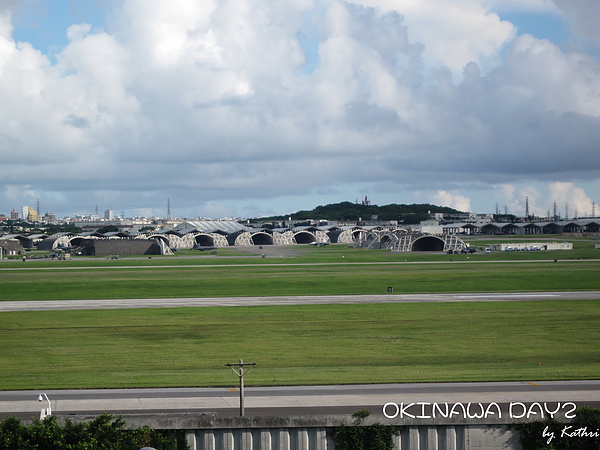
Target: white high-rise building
(109, 214)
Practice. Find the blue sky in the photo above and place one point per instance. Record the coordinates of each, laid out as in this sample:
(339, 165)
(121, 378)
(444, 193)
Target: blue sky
(44, 24)
(541, 25)
(241, 109)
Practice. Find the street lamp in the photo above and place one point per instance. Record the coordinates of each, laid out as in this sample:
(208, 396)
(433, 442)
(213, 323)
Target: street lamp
(45, 412)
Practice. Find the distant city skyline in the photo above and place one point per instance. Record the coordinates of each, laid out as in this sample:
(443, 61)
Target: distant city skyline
(111, 214)
(246, 109)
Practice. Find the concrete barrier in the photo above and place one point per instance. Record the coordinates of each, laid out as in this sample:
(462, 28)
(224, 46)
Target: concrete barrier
(447, 437)
(211, 432)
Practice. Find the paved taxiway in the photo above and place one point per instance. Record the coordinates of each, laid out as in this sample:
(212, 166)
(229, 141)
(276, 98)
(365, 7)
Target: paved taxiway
(52, 305)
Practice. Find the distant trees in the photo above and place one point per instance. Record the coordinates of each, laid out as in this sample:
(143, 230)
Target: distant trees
(17, 226)
(347, 211)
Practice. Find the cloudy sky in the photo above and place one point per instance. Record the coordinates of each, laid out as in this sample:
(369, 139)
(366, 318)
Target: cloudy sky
(248, 108)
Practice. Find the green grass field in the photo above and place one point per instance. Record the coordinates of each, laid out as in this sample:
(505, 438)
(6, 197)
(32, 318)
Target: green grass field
(330, 270)
(323, 344)
(297, 280)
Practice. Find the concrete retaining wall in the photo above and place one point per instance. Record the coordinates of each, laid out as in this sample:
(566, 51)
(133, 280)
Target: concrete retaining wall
(212, 432)
(449, 437)
(264, 439)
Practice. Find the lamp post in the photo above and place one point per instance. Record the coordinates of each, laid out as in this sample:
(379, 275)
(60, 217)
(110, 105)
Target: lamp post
(45, 412)
(240, 373)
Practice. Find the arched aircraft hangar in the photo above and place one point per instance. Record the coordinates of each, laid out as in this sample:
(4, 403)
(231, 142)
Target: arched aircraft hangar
(262, 238)
(224, 234)
(204, 240)
(304, 237)
(428, 244)
(403, 241)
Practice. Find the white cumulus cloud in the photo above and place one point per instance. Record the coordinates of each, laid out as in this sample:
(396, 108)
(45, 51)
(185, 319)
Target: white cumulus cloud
(241, 100)
(456, 201)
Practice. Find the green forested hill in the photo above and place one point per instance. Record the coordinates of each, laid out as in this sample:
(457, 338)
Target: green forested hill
(347, 211)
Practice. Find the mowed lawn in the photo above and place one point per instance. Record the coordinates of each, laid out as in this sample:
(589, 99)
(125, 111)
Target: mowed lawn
(323, 344)
(296, 279)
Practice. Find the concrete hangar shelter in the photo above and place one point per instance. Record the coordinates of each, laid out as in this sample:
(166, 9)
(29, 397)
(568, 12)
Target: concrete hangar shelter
(223, 234)
(218, 234)
(190, 235)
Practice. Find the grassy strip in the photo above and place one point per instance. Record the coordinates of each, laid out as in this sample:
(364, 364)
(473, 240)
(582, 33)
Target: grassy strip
(327, 344)
(297, 280)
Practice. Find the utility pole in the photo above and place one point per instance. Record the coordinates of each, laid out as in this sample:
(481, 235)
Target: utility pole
(240, 373)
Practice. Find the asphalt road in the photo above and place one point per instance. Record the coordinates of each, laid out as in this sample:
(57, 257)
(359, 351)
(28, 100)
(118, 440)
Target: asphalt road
(52, 305)
(297, 400)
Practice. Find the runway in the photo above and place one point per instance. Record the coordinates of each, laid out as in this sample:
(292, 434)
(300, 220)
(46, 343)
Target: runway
(53, 305)
(298, 400)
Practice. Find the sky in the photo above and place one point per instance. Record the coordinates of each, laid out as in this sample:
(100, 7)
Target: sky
(246, 108)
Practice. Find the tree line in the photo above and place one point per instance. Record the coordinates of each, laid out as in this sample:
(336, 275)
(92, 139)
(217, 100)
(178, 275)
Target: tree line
(355, 212)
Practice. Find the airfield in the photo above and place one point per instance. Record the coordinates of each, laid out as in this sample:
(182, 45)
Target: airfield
(72, 327)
